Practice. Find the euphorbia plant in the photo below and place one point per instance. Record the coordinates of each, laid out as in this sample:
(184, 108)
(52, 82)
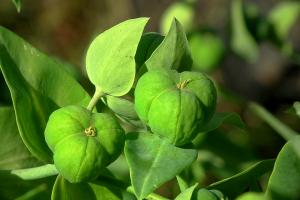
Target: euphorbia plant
(146, 82)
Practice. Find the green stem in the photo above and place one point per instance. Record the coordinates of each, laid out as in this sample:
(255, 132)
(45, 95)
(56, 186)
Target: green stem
(36, 172)
(286, 132)
(151, 196)
(97, 95)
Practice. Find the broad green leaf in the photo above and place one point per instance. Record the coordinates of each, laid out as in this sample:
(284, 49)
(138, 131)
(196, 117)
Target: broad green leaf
(173, 52)
(285, 178)
(187, 194)
(13, 152)
(182, 11)
(38, 85)
(225, 117)
(64, 190)
(297, 107)
(252, 196)
(242, 42)
(283, 16)
(121, 106)
(110, 60)
(235, 185)
(153, 161)
(18, 4)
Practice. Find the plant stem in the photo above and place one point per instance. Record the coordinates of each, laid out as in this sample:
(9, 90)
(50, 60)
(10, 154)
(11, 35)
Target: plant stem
(286, 132)
(36, 172)
(97, 95)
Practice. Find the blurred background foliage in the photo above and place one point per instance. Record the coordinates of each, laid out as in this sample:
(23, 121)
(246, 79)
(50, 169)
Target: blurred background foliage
(251, 49)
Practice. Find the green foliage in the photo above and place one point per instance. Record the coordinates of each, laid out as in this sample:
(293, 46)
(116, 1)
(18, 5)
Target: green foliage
(285, 178)
(38, 85)
(110, 60)
(173, 52)
(13, 153)
(167, 111)
(148, 155)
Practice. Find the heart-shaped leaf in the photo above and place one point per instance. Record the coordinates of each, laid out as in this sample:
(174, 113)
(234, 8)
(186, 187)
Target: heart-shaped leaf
(285, 178)
(173, 52)
(110, 60)
(153, 161)
(38, 85)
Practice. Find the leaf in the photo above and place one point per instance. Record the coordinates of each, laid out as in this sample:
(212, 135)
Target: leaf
(18, 4)
(173, 52)
(36, 172)
(64, 190)
(181, 183)
(235, 185)
(242, 42)
(153, 161)
(110, 61)
(122, 107)
(283, 16)
(285, 178)
(225, 117)
(187, 194)
(13, 152)
(38, 85)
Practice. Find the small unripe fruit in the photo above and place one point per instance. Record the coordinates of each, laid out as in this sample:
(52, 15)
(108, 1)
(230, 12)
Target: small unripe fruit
(175, 105)
(82, 142)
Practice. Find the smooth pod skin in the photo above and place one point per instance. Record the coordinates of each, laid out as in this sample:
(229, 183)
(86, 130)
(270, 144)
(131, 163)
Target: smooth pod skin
(175, 105)
(83, 142)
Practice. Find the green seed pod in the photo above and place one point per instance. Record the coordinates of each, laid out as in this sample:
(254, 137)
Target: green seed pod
(83, 142)
(175, 105)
